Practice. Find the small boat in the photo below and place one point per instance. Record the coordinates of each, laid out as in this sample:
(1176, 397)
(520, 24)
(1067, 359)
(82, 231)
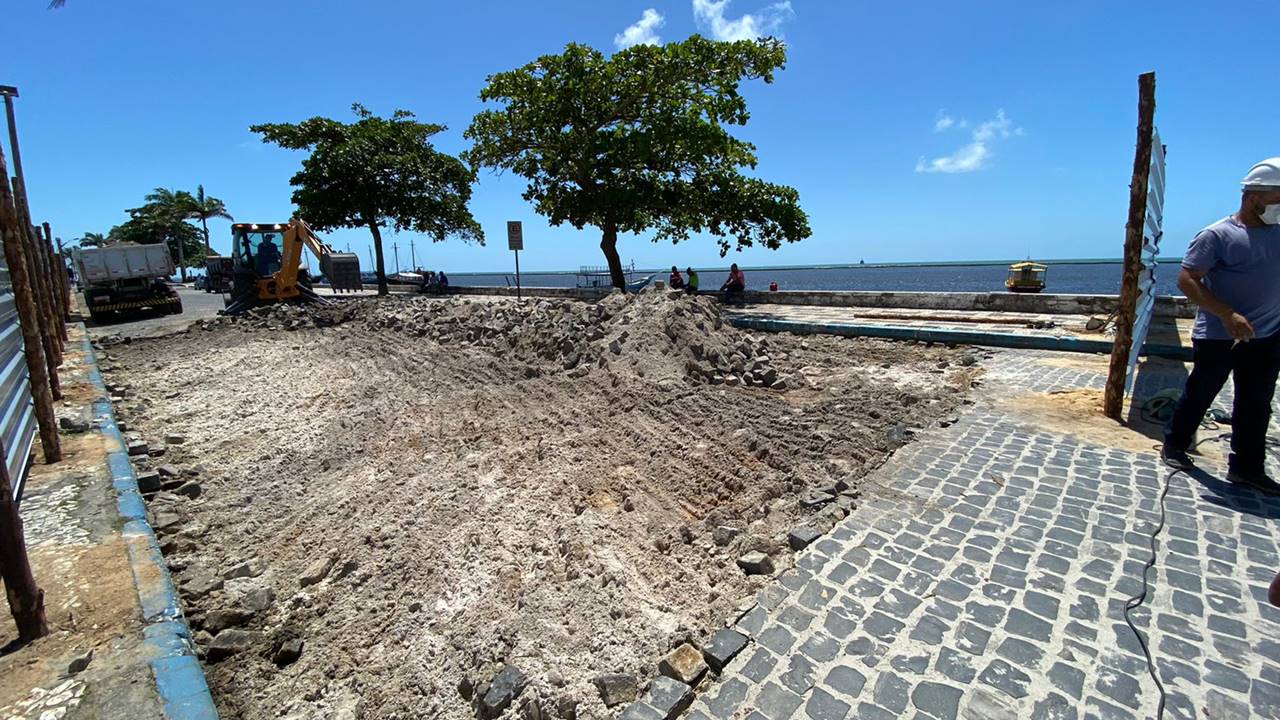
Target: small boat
(1026, 277)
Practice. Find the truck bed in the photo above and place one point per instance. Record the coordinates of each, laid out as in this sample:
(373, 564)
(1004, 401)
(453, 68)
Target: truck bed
(122, 262)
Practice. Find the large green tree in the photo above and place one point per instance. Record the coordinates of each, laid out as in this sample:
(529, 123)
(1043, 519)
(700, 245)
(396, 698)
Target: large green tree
(639, 141)
(92, 239)
(204, 208)
(375, 173)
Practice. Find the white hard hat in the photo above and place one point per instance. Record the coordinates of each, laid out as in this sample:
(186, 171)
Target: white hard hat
(1264, 174)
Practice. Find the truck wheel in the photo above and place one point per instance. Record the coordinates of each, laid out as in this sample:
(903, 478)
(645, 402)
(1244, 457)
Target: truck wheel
(95, 316)
(176, 309)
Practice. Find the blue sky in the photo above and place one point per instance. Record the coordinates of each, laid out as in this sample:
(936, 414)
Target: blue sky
(1024, 112)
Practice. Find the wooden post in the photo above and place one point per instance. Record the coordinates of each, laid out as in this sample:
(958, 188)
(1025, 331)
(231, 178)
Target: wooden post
(1113, 401)
(39, 294)
(44, 263)
(28, 316)
(26, 599)
(58, 273)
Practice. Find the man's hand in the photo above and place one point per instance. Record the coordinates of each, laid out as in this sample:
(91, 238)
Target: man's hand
(1238, 326)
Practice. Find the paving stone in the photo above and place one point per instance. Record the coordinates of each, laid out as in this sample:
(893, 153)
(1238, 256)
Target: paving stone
(722, 647)
(1225, 676)
(955, 665)
(616, 688)
(1024, 624)
(820, 648)
(928, 630)
(760, 665)
(777, 702)
(983, 703)
(1006, 678)
(667, 696)
(1123, 689)
(1068, 679)
(916, 664)
(752, 622)
(1020, 652)
(1054, 707)
(937, 700)
(1264, 698)
(838, 625)
(684, 663)
(796, 618)
(822, 706)
(777, 638)
(891, 692)
(1222, 707)
(882, 626)
(800, 674)
(846, 680)
(640, 711)
(972, 639)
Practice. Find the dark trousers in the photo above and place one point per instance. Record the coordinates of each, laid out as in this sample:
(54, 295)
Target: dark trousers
(733, 293)
(1255, 365)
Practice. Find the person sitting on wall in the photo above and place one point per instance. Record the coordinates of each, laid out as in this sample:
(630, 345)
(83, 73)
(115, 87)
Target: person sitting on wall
(733, 287)
(691, 287)
(676, 282)
(442, 280)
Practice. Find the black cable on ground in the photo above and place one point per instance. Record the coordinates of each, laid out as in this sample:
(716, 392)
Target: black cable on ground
(1138, 600)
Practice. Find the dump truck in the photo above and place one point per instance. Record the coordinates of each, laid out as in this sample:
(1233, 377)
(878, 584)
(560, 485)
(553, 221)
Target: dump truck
(218, 272)
(121, 280)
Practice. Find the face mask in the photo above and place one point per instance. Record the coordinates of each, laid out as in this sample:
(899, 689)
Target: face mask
(1271, 215)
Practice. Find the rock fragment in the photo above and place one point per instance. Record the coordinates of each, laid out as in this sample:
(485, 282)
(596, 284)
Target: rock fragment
(756, 563)
(616, 688)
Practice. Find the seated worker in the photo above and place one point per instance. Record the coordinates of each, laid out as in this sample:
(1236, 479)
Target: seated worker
(733, 287)
(691, 287)
(676, 282)
(268, 260)
(442, 280)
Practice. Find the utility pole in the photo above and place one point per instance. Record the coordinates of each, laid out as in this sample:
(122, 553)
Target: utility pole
(372, 263)
(396, 249)
(413, 257)
(9, 93)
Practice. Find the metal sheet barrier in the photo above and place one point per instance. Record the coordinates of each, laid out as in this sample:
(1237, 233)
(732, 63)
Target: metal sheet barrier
(17, 410)
(1151, 234)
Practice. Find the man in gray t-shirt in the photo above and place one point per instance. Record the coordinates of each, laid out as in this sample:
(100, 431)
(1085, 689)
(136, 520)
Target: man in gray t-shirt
(1232, 272)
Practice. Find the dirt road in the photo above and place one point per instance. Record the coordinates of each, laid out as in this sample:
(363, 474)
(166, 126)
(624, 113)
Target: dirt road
(423, 491)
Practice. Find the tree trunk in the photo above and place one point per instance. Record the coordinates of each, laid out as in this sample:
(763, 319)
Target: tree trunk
(1113, 395)
(609, 244)
(380, 268)
(182, 261)
(204, 224)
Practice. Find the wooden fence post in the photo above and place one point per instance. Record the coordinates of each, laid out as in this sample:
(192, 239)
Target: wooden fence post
(52, 351)
(1113, 399)
(58, 273)
(26, 599)
(29, 318)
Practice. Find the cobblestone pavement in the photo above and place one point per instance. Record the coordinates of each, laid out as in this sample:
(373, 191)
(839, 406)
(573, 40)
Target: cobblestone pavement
(985, 576)
(1031, 324)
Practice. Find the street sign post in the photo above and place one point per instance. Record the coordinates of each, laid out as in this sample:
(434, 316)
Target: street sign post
(515, 241)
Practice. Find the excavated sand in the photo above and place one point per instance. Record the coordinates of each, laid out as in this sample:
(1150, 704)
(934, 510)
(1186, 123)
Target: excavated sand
(482, 484)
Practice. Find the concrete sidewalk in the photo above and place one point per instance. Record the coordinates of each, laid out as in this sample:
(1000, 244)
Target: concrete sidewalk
(115, 648)
(985, 574)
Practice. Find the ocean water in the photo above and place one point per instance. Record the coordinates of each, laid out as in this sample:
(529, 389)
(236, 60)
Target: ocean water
(1101, 278)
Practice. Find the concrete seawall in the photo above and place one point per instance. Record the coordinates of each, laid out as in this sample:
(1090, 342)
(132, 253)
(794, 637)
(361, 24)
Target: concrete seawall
(1166, 307)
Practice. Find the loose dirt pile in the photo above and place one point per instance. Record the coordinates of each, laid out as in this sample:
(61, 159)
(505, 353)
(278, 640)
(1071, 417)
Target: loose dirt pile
(423, 491)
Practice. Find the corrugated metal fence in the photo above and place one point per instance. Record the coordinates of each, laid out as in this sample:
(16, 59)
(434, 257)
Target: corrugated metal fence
(1152, 231)
(17, 411)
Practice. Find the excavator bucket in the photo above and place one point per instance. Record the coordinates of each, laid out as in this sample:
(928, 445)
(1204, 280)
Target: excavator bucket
(342, 269)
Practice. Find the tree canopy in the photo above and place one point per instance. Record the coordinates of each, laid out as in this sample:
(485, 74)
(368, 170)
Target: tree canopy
(378, 172)
(204, 208)
(163, 219)
(639, 141)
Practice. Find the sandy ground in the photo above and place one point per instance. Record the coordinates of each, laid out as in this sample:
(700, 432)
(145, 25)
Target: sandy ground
(485, 483)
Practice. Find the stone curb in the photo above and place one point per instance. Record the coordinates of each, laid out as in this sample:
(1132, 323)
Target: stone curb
(179, 678)
(959, 337)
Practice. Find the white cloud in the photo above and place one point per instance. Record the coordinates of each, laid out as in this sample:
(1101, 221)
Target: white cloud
(976, 154)
(709, 15)
(641, 33)
(944, 122)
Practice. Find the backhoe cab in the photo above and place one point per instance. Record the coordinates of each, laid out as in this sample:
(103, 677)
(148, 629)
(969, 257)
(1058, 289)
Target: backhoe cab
(267, 267)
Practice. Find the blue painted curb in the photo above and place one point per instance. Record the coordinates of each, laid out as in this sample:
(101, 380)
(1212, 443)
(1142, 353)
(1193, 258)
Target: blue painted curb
(180, 680)
(959, 337)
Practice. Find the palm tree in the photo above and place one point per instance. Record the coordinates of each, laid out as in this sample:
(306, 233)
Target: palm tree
(173, 204)
(207, 207)
(92, 239)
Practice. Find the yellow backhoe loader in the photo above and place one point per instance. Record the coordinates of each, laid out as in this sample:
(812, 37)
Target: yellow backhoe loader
(266, 262)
